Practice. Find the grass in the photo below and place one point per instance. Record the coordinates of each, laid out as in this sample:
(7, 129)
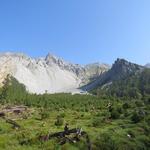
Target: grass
(108, 133)
(123, 126)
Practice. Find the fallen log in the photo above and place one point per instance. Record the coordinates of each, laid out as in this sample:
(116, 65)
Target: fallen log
(63, 135)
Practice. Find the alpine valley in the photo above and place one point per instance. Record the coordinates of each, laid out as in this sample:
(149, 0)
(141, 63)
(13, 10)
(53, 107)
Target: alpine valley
(50, 104)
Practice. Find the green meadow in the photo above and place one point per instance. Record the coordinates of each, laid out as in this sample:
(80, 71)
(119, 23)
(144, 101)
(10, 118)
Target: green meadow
(124, 126)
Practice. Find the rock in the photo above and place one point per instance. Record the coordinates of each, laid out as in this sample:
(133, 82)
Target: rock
(119, 70)
(51, 74)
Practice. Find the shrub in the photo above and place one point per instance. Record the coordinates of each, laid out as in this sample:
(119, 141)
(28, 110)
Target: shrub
(44, 114)
(59, 121)
(105, 142)
(126, 113)
(115, 114)
(125, 106)
(62, 115)
(136, 117)
(139, 103)
(119, 109)
(97, 122)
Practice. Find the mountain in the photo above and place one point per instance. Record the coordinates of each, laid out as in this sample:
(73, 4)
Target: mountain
(147, 65)
(85, 73)
(50, 74)
(134, 86)
(119, 71)
(94, 70)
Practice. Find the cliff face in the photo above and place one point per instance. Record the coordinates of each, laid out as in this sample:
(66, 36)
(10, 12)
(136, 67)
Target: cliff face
(122, 68)
(50, 74)
(119, 70)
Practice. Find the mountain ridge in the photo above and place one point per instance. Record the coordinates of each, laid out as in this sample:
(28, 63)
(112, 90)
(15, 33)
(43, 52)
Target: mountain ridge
(51, 74)
(119, 70)
(54, 75)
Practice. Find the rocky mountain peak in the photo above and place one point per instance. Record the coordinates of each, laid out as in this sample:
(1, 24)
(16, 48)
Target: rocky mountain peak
(53, 60)
(122, 62)
(123, 66)
(50, 59)
(50, 73)
(147, 65)
(119, 70)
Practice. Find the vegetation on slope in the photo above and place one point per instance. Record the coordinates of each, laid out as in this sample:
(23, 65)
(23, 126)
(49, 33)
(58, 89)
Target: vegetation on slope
(135, 86)
(112, 123)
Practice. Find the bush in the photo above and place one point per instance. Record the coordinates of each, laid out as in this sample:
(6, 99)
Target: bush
(125, 106)
(62, 115)
(97, 122)
(126, 113)
(119, 109)
(115, 114)
(105, 142)
(59, 121)
(44, 114)
(136, 117)
(139, 103)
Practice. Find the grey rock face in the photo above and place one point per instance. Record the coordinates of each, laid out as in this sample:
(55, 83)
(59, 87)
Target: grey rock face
(120, 70)
(50, 74)
(147, 65)
(85, 73)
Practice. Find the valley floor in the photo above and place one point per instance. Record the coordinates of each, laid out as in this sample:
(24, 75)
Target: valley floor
(120, 129)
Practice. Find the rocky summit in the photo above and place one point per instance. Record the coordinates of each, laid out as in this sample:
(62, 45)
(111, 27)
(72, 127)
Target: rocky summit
(50, 74)
(119, 70)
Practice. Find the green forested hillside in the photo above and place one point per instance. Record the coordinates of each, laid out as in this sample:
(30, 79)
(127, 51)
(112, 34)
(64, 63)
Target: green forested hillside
(135, 86)
(12, 90)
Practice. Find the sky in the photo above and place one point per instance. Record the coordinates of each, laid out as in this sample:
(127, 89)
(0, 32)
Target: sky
(80, 31)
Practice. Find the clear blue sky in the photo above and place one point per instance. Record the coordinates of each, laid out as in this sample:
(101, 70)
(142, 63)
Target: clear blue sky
(80, 31)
